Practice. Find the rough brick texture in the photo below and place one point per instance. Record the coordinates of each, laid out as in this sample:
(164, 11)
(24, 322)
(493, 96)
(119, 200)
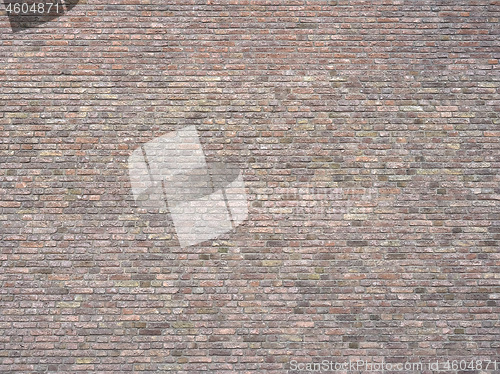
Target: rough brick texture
(367, 133)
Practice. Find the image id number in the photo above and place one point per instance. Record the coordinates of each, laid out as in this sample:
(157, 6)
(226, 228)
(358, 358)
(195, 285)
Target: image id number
(25, 8)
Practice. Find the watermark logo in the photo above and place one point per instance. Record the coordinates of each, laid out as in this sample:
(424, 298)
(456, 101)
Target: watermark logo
(204, 200)
(25, 14)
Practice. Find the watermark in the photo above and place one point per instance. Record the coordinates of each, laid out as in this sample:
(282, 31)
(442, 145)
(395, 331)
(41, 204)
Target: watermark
(25, 14)
(204, 200)
(360, 365)
(323, 202)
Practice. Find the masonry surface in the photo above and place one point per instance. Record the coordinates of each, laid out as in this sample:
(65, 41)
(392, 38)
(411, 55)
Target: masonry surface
(367, 134)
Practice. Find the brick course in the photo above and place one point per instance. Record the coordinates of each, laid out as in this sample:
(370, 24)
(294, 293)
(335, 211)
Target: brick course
(367, 133)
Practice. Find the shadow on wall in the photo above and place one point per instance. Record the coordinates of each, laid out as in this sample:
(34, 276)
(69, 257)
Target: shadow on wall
(32, 13)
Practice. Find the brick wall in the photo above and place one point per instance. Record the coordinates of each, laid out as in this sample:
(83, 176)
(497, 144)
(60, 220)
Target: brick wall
(367, 134)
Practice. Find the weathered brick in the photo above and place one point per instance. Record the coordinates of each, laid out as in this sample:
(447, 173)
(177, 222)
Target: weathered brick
(367, 134)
